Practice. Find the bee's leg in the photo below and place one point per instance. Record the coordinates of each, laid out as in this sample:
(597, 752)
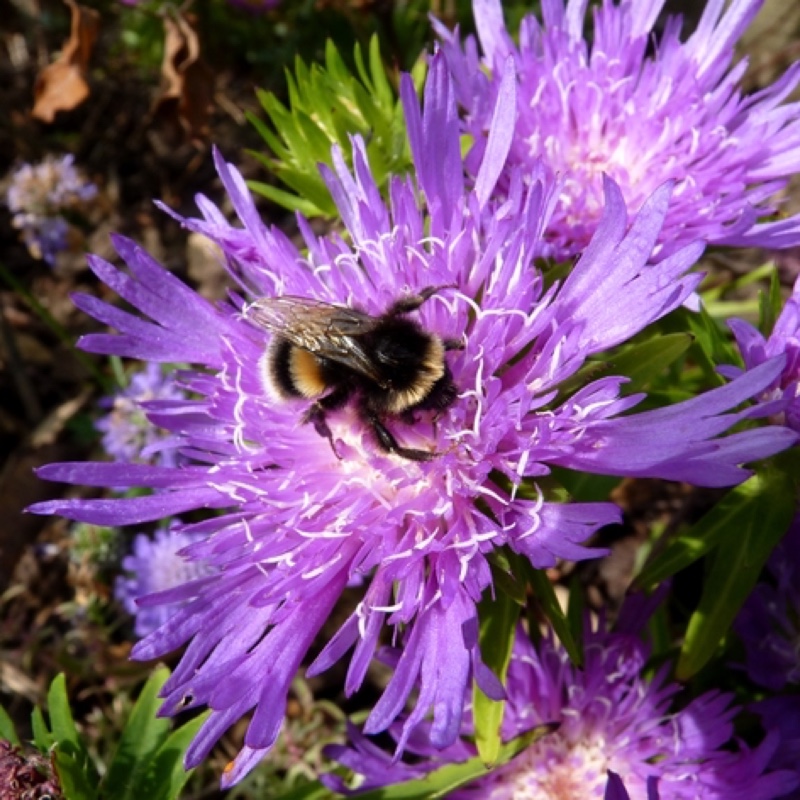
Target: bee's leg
(387, 441)
(453, 344)
(411, 303)
(316, 414)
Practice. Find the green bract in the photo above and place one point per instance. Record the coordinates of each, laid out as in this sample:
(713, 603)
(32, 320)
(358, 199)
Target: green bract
(328, 104)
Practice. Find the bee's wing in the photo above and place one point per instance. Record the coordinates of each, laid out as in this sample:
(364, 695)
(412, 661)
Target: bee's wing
(327, 330)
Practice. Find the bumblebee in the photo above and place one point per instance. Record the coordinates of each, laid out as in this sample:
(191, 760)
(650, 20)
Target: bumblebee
(387, 365)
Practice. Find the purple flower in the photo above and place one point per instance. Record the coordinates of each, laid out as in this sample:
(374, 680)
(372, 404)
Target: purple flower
(769, 622)
(615, 788)
(128, 432)
(304, 518)
(40, 195)
(155, 565)
(784, 340)
(780, 717)
(607, 717)
(641, 112)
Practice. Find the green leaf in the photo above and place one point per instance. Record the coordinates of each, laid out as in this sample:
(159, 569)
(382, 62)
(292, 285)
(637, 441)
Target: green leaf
(71, 753)
(143, 735)
(498, 621)
(644, 362)
(505, 581)
(722, 309)
(712, 345)
(546, 596)
(770, 304)
(575, 609)
(377, 82)
(586, 487)
(78, 777)
(660, 633)
(327, 104)
(309, 791)
(442, 782)
(282, 198)
(761, 521)
(166, 775)
(721, 524)
(7, 729)
(61, 722)
(42, 737)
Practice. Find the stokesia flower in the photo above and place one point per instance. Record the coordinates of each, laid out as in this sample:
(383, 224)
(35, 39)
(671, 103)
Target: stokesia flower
(156, 564)
(642, 112)
(128, 432)
(301, 516)
(605, 717)
(780, 717)
(615, 788)
(784, 340)
(42, 197)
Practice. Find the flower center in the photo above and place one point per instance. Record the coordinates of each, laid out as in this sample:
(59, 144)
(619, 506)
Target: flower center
(555, 768)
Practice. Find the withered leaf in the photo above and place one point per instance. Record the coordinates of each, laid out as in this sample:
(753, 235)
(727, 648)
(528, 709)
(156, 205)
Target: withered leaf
(188, 83)
(62, 86)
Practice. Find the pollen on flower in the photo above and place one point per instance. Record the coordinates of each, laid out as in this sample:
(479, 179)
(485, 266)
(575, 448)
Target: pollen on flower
(555, 767)
(583, 163)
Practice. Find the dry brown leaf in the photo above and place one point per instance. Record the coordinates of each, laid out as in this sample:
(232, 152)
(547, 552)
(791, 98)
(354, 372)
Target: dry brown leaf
(62, 86)
(188, 89)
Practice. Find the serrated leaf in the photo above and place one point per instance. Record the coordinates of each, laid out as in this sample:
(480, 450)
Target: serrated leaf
(721, 522)
(326, 106)
(498, 621)
(447, 779)
(759, 525)
(166, 775)
(142, 736)
(7, 729)
(77, 776)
